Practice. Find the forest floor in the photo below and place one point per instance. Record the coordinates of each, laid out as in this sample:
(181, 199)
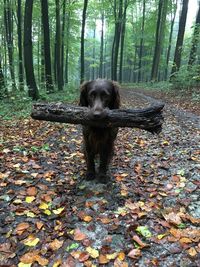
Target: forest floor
(149, 215)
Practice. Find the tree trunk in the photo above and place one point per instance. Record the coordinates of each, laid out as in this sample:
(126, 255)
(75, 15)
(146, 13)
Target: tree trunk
(180, 38)
(160, 29)
(101, 46)
(47, 52)
(117, 37)
(58, 47)
(149, 119)
(28, 51)
(3, 91)
(94, 52)
(173, 15)
(195, 39)
(82, 74)
(19, 34)
(141, 42)
(8, 20)
(123, 31)
(63, 41)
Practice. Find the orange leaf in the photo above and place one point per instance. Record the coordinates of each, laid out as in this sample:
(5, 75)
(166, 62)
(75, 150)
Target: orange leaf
(121, 256)
(105, 220)
(21, 228)
(78, 235)
(39, 225)
(84, 256)
(185, 240)
(32, 191)
(87, 218)
(103, 259)
(56, 244)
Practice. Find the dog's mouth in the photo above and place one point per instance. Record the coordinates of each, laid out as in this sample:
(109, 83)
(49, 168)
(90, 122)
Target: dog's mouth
(96, 114)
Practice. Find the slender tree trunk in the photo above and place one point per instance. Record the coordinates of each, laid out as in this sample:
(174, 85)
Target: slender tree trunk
(195, 39)
(141, 42)
(19, 34)
(123, 31)
(8, 19)
(162, 12)
(101, 46)
(82, 76)
(28, 51)
(63, 41)
(3, 91)
(58, 48)
(180, 38)
(173, 15)
(94, 52)
(67, 50)
(47, 52)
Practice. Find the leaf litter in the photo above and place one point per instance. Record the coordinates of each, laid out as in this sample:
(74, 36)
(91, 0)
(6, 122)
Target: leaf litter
(148, 215)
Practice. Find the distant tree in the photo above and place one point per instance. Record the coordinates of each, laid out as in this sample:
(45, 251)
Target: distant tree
(101, 45)
(173, 15)
(82, 75)
(28, 51)
(8, 20)
(123, 30)
(47, 53)
(195, 39)
(118, 14)
(180, 38)
(160, 30)
(58, 71)
(3, 90)
(20, 49)
(141, 42)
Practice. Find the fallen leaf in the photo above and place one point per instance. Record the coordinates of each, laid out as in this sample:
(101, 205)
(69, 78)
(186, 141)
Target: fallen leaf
(192, 252)
(31, 241)
(56, 244)
(58, 211)
(93, 252)
(32, 191)
(121, 256)
(87, 218)
(173, 218)
(39, 225)
(84, 256)
(21, 227)
(103, 259)
(185, 240)
(144, 231)
(78, 235)
(139, 241)
(134, 253)
(43, 206)
(57, 263)
(30, 199)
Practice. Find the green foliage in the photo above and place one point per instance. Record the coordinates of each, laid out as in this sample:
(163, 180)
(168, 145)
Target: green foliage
(187, 77)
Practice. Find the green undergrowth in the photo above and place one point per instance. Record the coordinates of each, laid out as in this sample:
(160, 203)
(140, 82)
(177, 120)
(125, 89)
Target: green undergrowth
(19, 105)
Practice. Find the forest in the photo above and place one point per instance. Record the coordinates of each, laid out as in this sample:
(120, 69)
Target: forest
(50, 46)
(55, 208)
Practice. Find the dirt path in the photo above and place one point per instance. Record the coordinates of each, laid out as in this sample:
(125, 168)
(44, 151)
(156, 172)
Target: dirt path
(149, 215)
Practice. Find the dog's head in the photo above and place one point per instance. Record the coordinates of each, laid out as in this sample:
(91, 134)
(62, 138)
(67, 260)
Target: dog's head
(100, 95)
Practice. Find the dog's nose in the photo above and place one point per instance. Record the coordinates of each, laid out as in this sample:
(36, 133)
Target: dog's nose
(98, 113)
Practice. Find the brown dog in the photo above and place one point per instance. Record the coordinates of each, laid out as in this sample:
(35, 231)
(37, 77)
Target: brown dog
(99, 95)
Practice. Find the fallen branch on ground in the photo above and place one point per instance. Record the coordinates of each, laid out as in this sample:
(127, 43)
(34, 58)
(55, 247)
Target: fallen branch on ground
(149, 119)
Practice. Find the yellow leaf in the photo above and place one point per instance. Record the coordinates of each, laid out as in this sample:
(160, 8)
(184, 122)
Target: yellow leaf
(17, 201)
(47, 212)
(58, 211)
(29, 199)
(21, 264)
(31, 241)
(30, 214)
(57, 263)
(161, 236)
(93, 252)
(111, 256)
(121, 256)
(43, 206)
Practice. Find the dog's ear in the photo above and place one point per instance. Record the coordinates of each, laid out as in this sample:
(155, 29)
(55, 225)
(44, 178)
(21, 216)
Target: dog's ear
(83, 95)
(116, 95)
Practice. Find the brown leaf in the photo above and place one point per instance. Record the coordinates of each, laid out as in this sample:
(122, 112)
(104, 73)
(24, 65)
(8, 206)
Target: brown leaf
(56, 244)
(32, 191)
(84, 256)
(39, 225)
(134, 253)
(119, 263)
(139, 241)
(21, 227)
(192, 252)
(173, 218)
(78, 235)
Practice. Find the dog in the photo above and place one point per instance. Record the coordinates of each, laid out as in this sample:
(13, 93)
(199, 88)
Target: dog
(99, 96)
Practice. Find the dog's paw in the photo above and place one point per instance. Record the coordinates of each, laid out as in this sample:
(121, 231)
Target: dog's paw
(90, 176)
(103, 178)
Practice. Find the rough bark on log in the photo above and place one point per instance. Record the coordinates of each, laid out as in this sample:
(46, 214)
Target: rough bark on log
(149, 119)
